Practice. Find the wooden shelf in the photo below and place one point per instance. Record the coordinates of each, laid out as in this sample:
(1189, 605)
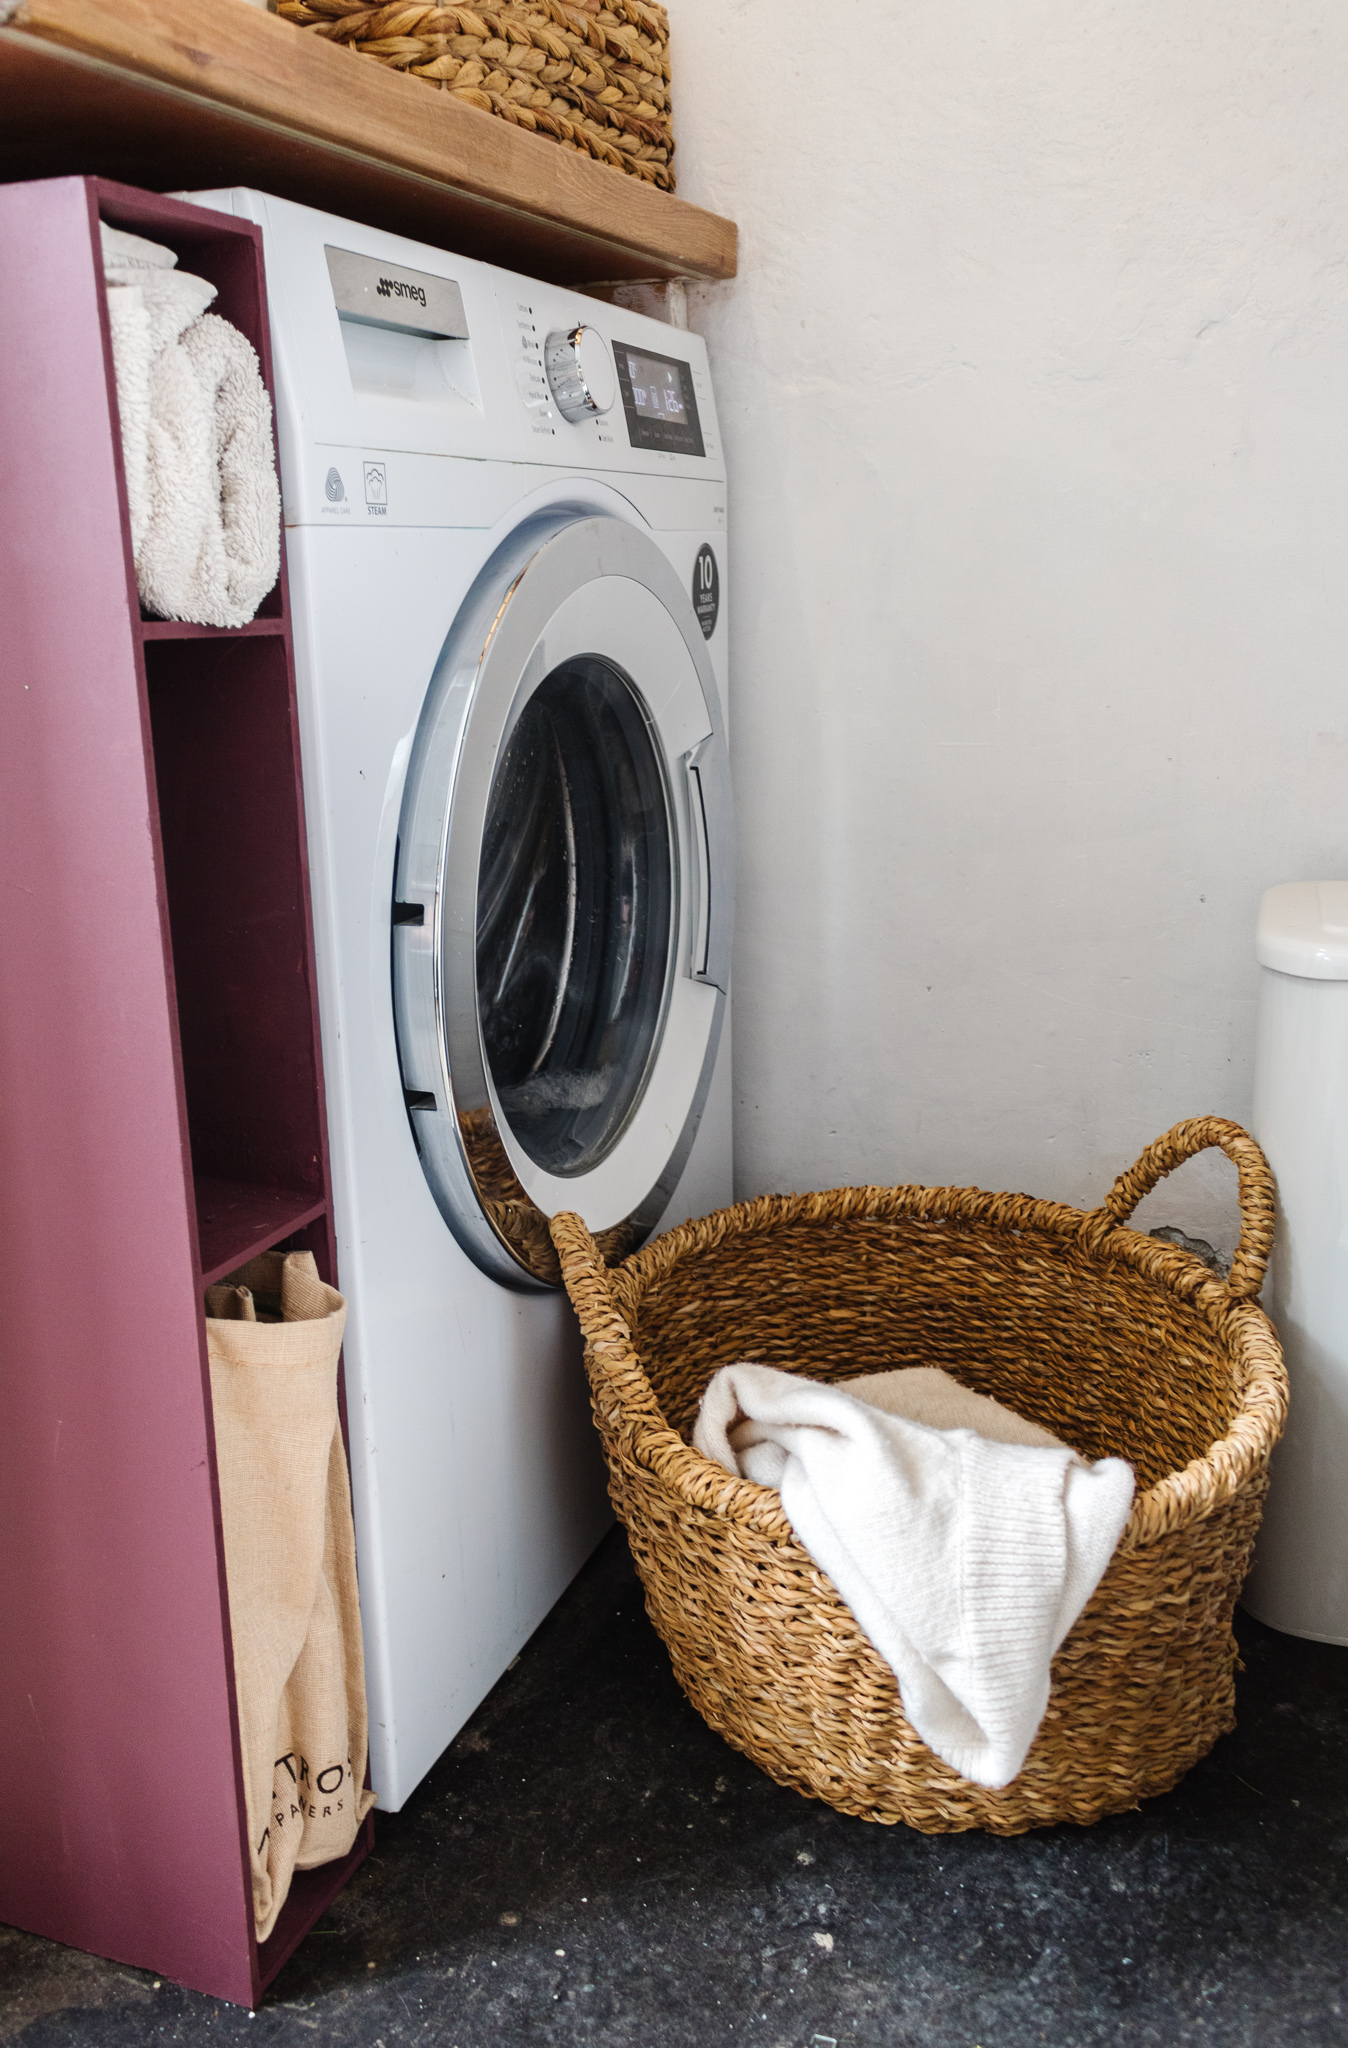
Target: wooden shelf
(237, 1219)
(176, 629)
(179, 95)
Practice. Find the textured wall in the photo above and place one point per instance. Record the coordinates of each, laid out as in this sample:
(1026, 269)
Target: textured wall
(1035, 388)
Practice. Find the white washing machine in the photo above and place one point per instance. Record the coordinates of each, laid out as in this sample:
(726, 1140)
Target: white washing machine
(505, 511)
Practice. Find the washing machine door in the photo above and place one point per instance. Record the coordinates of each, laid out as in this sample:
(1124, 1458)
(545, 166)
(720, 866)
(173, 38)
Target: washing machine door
(564, 897)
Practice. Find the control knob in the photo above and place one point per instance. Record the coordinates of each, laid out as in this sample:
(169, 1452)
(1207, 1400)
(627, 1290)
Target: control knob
(580, 373)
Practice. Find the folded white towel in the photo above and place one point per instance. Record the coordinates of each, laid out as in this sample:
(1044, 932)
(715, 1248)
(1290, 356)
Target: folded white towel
(965, 1541)
(196, 441)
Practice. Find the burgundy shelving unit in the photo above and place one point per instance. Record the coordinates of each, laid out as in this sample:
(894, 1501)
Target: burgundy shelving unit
(161, 1120)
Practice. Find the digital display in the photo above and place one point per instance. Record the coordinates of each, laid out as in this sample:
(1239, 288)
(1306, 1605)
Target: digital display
(660, 389)
(658, 399)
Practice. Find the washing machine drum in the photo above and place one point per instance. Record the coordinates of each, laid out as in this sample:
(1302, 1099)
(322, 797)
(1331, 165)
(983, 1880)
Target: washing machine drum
(563, 897)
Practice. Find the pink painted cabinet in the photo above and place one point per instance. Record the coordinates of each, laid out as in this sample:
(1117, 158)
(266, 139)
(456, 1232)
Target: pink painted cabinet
(161, 1119)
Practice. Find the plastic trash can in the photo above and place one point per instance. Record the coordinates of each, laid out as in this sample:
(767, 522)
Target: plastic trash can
(1300, 1579)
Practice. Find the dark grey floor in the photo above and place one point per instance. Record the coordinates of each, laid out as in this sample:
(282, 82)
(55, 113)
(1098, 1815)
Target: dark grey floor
(590, 1864)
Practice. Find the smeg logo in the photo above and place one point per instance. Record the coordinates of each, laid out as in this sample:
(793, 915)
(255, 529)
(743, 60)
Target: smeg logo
(394, 288)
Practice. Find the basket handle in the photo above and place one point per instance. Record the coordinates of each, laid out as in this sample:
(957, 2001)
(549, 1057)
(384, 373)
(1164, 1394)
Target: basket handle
(1256, 1191)
(614, 1371)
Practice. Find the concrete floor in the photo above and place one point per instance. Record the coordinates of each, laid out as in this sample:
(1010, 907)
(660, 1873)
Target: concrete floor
(589, 1864)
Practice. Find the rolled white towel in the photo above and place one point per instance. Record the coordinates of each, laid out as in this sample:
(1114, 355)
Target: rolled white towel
(240, 554)
(126, 257)
(150, 303)
(196, 439)
(965, 1541)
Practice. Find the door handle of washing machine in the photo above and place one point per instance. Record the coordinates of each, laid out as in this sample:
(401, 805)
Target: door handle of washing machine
(711, 817)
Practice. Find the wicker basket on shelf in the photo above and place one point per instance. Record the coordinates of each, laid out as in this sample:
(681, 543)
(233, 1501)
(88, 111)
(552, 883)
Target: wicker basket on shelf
(1120, 1345)
(594, 78)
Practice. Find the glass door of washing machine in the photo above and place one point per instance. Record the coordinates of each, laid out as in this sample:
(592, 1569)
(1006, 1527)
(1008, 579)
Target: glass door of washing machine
(564, 897)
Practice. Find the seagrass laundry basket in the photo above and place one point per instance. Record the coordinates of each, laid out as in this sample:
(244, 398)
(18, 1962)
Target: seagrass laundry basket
(1121, 1345)
(592, 77)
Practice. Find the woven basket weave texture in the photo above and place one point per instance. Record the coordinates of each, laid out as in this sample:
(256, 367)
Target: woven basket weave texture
(1121, 1345)
(593, 78)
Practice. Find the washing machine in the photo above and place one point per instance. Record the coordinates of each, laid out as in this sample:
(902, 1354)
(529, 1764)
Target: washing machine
(505, 518)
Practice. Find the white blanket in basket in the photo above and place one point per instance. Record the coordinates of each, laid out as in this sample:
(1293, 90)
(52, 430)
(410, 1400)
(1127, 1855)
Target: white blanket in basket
(965, 1540)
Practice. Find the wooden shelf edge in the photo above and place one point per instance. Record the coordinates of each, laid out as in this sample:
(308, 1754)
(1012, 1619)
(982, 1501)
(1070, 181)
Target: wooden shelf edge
(177, 629)
(237, 1220)
(284, 102)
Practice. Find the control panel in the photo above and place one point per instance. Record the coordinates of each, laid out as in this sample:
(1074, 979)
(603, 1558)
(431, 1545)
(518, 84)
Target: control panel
(396, 354)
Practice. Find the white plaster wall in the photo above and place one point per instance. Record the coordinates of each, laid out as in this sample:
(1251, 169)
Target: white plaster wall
(1035, 387)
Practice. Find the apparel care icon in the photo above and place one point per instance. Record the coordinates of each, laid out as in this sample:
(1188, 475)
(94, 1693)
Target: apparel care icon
(334, 490)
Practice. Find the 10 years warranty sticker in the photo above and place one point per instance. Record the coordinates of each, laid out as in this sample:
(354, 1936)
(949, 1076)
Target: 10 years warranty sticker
(706, 591)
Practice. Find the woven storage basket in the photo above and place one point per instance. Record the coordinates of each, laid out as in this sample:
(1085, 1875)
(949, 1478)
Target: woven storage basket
(592, 78)
(1121, 1345)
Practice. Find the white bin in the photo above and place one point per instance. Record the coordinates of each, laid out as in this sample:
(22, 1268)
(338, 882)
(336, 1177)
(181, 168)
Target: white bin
(1300, 1577)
